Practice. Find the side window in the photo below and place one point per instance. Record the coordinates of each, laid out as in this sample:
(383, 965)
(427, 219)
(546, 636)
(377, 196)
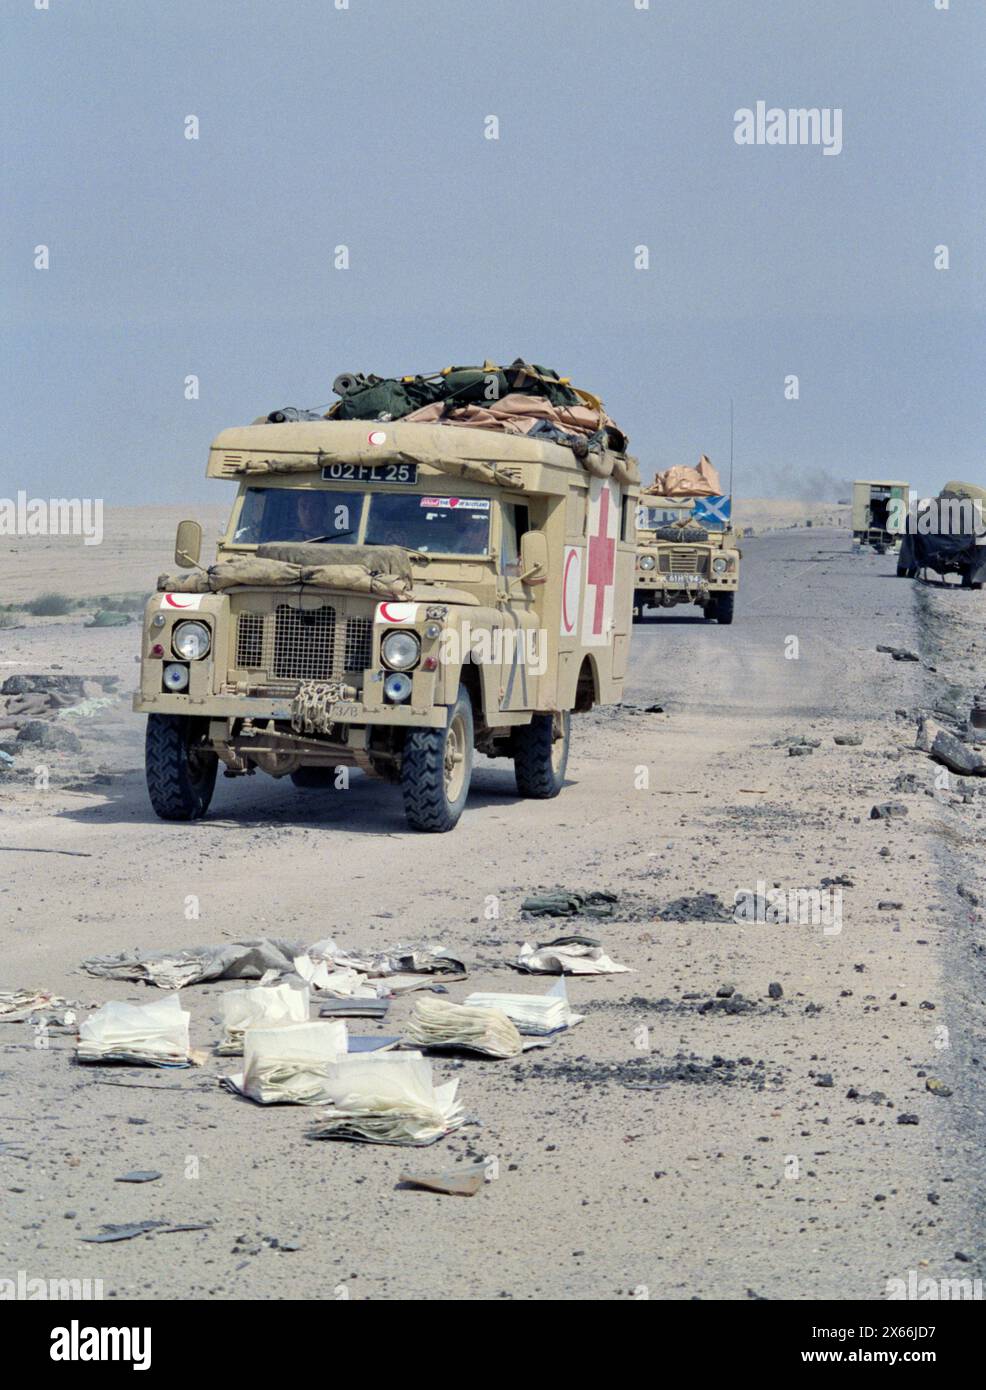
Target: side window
(514, 522)
(627, 527)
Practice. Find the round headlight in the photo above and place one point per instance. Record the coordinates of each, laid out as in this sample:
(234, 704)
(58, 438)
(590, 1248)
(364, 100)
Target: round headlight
(191, 641)
(720, 565)
(647, 562)
(400, 650)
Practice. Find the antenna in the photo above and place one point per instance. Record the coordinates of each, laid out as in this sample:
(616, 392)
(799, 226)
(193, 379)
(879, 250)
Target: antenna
(730, 446)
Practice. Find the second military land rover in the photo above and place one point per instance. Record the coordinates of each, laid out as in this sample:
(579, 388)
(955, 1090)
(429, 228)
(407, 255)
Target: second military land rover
(686, 548)
(395, 594)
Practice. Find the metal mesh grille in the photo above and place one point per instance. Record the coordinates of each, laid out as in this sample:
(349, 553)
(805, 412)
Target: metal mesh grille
(358, 652)
(250, 641)
(304, 643)
(682, 560)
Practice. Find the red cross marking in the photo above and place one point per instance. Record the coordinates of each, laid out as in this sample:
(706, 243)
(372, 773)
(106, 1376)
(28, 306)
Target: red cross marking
(602, 562)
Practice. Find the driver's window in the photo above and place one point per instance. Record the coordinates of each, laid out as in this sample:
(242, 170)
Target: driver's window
(514, 521)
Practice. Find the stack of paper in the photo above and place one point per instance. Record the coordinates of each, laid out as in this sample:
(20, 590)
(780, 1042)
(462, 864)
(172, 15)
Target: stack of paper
(535, 1015)
(387, 1098)
(437, 1023)
(259, 1004)
(289, 1063)
(154, 1034)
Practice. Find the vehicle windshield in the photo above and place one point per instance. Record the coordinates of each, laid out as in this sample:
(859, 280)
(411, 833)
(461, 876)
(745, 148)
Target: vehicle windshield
(298, 514)
(433, 525)
(653, 518)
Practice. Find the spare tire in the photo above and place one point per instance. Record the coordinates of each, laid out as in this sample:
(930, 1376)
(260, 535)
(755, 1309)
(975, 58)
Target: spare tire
(682, 535)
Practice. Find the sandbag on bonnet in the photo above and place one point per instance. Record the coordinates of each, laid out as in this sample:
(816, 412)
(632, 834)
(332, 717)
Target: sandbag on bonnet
(251, 571)
(391, 560)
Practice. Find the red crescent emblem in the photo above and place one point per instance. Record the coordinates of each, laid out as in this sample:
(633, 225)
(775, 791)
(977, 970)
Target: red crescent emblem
(385, 615)
(170, 601)
(564, 591)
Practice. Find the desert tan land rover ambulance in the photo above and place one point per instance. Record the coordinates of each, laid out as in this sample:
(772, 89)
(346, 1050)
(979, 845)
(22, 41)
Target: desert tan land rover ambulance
(390, 596)
(686, 548)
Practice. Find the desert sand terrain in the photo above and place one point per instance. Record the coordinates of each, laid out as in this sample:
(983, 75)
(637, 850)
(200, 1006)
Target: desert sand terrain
(700, 1134)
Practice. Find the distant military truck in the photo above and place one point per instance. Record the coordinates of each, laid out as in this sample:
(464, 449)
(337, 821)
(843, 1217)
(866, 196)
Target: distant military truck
(879, 514)
(391, 597)
(686, 553)
(947, 534)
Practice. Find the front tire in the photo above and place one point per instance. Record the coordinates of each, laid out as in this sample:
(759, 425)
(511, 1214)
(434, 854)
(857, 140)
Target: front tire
(725, 604)
(540, 754)
(436, 770)
(180, 769)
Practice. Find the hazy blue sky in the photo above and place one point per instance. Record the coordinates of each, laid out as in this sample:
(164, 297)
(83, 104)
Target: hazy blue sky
(365, 127)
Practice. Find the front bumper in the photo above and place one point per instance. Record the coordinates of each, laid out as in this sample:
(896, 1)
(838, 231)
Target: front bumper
(351, 712)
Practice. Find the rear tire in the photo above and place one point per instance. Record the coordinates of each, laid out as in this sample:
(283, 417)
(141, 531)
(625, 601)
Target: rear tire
(540, 754)
(436, 770)
(313, 778)
(180, 772)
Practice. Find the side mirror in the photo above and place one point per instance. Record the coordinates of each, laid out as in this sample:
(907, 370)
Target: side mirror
(188, 544)
(533, 558)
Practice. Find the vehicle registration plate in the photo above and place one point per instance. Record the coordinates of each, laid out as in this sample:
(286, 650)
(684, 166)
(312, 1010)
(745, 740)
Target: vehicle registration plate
(685, 578)
(370, 473)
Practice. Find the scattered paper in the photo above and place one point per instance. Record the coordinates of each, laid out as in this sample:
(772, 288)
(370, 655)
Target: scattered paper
(259, 1004)
(288, 1064)
(16, 1005)
(388, 1098)
(155, 1034)
(567, 957)
(535, 1015)
(439, 1023)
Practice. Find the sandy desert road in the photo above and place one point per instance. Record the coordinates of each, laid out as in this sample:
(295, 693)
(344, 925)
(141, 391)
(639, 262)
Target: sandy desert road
(694, 1137)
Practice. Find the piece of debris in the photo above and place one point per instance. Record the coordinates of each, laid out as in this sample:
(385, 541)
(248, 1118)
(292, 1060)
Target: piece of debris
(139, 1175)
(109, 1232)
(848, 740)
(353, 1008)
(49, 736)
(888, 906)
(899, 653)
(937, 1088)
(887, 810)
(16, 1005)
(568, 956)
(563, 903)
(439, 1023)
(238, 960)
(700, 907)
(906, 1119)
(108, 617)
(774, 990)
(464, 1181)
